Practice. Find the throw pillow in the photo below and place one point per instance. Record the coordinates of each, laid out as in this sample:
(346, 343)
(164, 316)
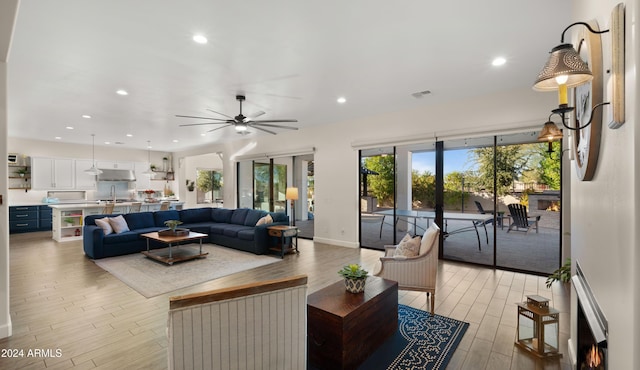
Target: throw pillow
(429, 239)
(104, 225)
(118, 224)
(265, 220)
(408, 248)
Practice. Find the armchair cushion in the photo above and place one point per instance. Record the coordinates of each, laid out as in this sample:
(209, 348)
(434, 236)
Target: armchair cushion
(429, 239)
(409, 247)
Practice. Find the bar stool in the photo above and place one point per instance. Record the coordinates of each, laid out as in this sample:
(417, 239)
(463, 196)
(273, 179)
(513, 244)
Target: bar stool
(108, 208)
(135, 207)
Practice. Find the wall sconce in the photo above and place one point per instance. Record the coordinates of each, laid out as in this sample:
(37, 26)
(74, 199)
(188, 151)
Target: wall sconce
(582, 70)
(292, 195)
(550, 133)
(565, 68)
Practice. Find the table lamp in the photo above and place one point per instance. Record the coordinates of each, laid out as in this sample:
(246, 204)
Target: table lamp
(292, 195)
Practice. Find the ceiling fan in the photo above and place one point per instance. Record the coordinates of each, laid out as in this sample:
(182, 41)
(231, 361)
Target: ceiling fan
(241, 122)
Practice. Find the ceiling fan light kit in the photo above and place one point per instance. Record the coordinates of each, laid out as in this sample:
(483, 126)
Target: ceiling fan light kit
(241, 123)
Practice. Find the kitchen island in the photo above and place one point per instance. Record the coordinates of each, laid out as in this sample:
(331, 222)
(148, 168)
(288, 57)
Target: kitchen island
(68, 219)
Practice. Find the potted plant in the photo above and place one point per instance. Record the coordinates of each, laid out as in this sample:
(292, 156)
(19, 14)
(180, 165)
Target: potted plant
(354, 277)
(68, 221)
(190, 185)
(173, 229)
(22, 171)
(563, 274)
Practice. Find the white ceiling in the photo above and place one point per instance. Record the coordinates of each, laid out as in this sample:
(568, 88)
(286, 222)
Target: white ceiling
(291, 58)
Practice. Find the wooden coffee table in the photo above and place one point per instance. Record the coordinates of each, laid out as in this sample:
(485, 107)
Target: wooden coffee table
(343, 328)
(178, 255)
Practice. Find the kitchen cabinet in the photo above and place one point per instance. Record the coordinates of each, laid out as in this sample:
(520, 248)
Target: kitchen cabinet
(52, 173)
(84, 181)
(23, 219)
(67, 224)
(45, 221)
(119, 165)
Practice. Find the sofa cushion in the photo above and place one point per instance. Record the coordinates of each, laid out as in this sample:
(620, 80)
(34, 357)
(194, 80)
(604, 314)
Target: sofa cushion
(119, 224)
(232, 230)
(218, 228)
(127, 236)
(195, 215)
(239, 215)
(159, 217)
(247, 234)
(104, 225)
(253, 215)
(221, 215)
(139, 220)
(279, 217)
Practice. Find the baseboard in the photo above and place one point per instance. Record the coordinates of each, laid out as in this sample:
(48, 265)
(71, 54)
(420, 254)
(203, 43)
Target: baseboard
(572, 354)
(5, 330)
(339, 243)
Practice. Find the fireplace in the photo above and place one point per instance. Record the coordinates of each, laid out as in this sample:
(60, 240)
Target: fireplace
(592, 327)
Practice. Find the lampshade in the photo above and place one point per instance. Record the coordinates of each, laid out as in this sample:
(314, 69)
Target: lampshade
(291, 194)
(565, 61)
(550, 132)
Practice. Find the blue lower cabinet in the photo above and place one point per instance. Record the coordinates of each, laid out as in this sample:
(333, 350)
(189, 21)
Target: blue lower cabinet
(45, 220)
(23, 219)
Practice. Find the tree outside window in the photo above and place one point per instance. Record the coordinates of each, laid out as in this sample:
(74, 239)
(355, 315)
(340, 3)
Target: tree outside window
(209, 186)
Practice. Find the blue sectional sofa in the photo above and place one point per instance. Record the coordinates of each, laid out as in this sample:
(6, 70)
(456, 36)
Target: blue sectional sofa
(233, 228)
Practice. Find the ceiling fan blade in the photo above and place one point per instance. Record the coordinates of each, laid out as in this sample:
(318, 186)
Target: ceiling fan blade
(254, 116)
(203, 123)
(219, 128)
(275, 120)
(263, 129)
(222, 114)
(216, 119)
(276, 126)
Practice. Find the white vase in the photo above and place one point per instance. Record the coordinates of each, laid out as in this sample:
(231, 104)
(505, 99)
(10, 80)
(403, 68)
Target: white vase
(355, 285)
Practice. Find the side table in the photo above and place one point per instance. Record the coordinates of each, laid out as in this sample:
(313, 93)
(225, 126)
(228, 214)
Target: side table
(283, 232)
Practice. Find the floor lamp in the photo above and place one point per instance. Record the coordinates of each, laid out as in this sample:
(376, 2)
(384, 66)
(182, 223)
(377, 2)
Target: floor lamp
(292, 195)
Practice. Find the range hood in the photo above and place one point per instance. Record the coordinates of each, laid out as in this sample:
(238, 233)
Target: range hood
(109, 174)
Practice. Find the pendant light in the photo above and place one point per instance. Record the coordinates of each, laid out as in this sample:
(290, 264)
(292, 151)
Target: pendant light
(149, 172)
(93, 171)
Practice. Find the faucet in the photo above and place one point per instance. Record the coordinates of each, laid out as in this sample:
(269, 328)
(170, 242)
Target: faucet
(113, 192)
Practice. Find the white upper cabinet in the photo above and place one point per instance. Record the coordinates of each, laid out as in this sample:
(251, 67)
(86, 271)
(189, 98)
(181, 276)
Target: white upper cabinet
(84, 181)
(52, 173)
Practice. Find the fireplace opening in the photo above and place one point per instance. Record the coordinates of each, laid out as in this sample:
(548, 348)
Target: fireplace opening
(592, 327)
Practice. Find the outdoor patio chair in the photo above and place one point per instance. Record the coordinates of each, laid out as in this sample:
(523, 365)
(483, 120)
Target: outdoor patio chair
(482, 210)
(413, 273)
(520, 219)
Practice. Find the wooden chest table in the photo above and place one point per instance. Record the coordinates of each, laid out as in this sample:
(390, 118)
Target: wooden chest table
(344, 328)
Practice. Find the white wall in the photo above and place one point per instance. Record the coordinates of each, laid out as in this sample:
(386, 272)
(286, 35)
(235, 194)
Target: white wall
(605, 210)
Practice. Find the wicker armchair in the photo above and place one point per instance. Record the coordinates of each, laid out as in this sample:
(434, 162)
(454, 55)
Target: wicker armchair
(414, 273)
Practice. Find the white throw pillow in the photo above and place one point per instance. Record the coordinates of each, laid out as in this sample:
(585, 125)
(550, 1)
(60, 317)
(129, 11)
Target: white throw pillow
(429, 239)
(119, 224)
(104, 225)
(265, 220)
(408, 248)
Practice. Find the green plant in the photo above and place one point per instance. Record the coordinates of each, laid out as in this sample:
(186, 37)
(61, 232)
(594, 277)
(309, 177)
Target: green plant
(68, 220)
(353, 271)
(172, 224)
(22, 171)
(562, 274)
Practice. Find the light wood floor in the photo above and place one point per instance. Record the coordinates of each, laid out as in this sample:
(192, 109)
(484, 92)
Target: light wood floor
(60, 300)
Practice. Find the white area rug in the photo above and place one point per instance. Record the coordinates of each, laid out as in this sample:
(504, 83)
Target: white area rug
(151, 278)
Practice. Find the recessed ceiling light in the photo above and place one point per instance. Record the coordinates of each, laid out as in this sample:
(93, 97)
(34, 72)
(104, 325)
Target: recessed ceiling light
(58, 138)
(69, 127)
(129, 135)
(175, 141)
(498, 61)
(203, 134)
(342, 100)
(200, 39)
(107, 142)
(86, 116)
(122, 92)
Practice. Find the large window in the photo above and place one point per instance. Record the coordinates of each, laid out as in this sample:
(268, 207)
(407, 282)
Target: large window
(209, 186)
(480, 178)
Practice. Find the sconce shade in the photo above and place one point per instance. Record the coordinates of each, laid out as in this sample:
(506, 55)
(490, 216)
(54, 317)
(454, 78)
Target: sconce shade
(564, 60)
(291, 194)
(550, 132)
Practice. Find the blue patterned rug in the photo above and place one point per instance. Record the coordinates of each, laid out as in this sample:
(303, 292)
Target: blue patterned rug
(422, 341)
